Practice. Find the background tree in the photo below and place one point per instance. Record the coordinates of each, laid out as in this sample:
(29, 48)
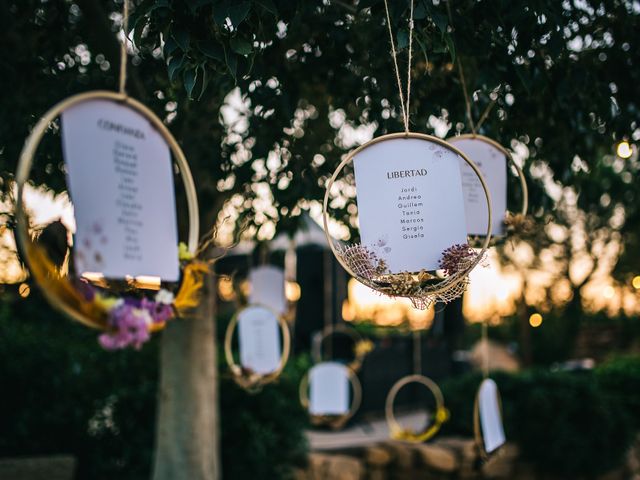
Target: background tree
(563, 77)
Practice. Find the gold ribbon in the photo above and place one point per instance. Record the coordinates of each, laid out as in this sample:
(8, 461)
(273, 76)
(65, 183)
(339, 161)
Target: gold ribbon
(188, 296)
(442, 415)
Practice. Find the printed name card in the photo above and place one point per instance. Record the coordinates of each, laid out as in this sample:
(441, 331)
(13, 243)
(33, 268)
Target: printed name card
(410, 202)
(267, 288)
(259, 339)
(121, 182)
(490, 417)
(492, 163)
(329, 389)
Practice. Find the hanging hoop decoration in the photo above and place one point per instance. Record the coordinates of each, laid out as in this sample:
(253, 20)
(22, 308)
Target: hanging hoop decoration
(331, 415)
(103, 308)
(488, 155)
(440, 416)
(488, 431)
(422, 253)
(361, 347)
(262, 362)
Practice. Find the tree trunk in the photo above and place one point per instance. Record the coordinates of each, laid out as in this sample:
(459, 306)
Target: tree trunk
(187, 433)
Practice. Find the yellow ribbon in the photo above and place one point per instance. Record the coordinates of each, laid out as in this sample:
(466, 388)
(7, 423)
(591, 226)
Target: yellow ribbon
(442, 415)
(188, 296)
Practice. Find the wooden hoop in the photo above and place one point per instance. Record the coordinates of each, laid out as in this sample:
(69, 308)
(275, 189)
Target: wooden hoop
(477, 428)
(335, 422)
(457, 277)
(25, 164)
(441, 415)
(356, 363)
(255, 381)
(523, 181)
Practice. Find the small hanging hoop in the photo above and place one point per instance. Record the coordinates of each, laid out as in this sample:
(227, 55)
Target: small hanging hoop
(360, 348)
(441, 415)
(477, 428)
(521, 177)
(446, 289)
(23, 171)
(335, 422)
(252, 381)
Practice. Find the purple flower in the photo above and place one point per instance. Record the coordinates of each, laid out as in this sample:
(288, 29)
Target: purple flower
(131, 328)
(160, 312)
(456, 258)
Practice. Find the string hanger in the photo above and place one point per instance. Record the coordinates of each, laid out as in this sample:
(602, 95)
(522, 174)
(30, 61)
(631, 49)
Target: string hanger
(123, 48)
(485, 350)
(403, 104)
(463, 84)
(417, 353)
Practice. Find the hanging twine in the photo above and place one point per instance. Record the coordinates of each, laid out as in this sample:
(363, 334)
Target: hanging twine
(485, 348)
(394, 54)
(463, 85)
(417, 353)
(123, 48)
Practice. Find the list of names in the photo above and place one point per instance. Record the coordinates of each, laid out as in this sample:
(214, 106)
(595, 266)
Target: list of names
(129, 208)
(410, 205)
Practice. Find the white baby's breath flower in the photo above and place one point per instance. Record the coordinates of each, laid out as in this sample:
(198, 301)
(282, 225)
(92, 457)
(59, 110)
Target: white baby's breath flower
(164, 296)
(144, 314)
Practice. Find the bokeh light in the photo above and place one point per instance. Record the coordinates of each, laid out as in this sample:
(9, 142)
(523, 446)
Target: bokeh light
(535, 320)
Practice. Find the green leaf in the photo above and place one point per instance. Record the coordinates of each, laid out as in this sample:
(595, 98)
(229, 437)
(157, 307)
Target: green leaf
(211, 49)
(189, 78)
(169, 47)
(420, 11)
(232, 63)
(268, 5)
(240, 45)
(175, 64)
(423, 48)
(205, 80)
(450, 46)
(238, 12)
(219, 14)
(402, 39)
(441, 22)
(182, 39)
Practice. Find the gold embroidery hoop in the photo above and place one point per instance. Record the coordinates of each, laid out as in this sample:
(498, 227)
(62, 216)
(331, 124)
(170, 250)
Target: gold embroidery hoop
(360, 354)
(335, 422)
(477, 428)
(441, 415)
(25, 164)
(254, 381)
(524, 208)
(448, 288)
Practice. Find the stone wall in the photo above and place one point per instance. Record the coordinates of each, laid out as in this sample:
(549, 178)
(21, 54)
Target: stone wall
(442, 459)
(56, 467)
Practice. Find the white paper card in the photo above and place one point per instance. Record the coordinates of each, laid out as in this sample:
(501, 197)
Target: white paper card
(490, 417)
(121, 182)
(492, 163)
(410, 202)
(267, 288)
(329, 389)
(259, 339)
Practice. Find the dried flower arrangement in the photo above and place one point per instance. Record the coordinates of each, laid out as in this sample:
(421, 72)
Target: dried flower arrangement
(423, 287)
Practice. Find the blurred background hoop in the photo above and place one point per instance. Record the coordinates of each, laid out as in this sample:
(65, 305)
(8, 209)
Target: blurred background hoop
(253, 381)
(440, 416)
(334, 422)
